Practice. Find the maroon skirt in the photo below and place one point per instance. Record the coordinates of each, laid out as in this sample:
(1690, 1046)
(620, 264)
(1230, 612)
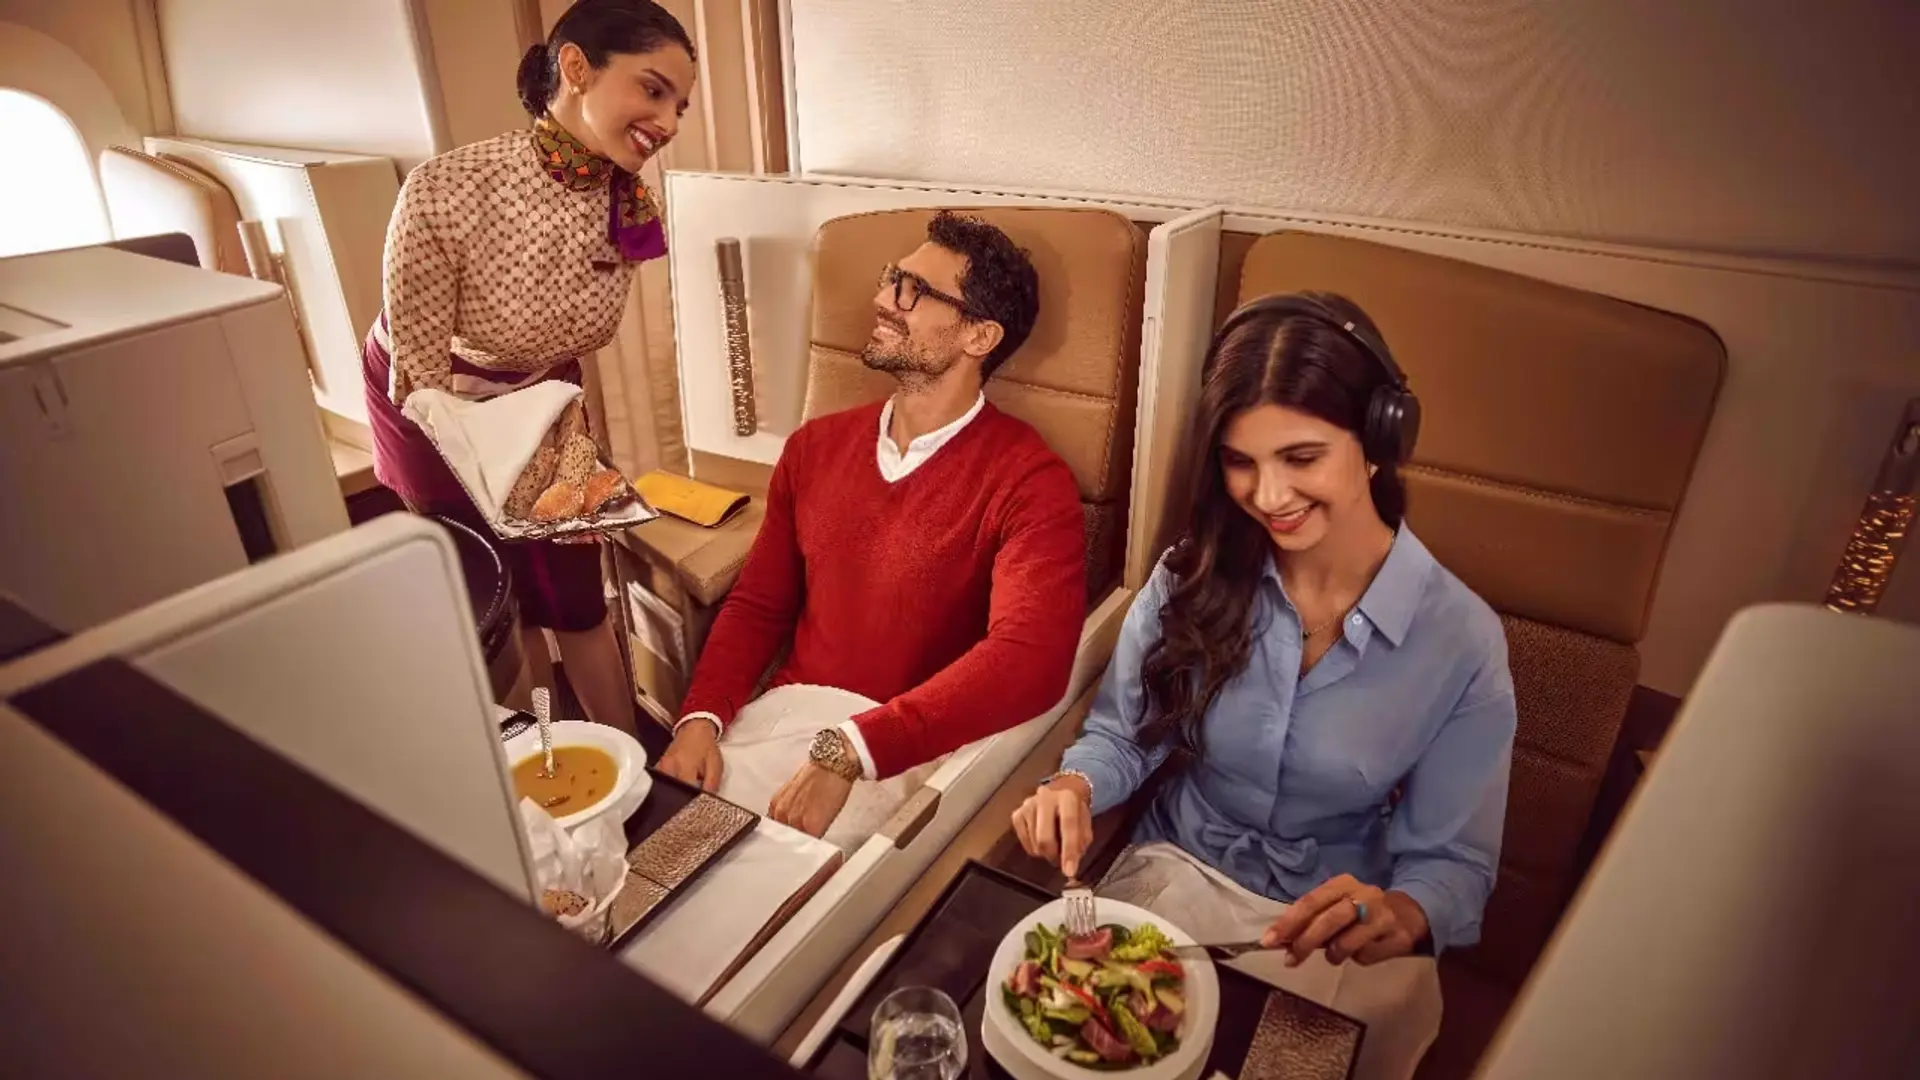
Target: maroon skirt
(557, 585)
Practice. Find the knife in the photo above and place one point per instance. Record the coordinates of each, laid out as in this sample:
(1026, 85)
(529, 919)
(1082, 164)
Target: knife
(1232, 950)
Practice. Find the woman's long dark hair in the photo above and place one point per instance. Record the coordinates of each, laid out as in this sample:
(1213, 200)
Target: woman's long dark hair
(1206, 631)
(600, 28)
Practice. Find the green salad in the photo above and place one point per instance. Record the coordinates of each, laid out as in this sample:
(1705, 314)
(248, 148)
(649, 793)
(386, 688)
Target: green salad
(1112, 999)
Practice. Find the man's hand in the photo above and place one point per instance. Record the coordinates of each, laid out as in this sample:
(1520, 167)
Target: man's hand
(811, 800)
(694, 755)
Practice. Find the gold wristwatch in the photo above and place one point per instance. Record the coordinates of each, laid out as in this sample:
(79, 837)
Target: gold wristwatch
(833, 752)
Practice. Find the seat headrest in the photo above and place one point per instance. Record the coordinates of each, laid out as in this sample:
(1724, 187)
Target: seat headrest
(1559, 429)
(148, 196)
(1075, 376)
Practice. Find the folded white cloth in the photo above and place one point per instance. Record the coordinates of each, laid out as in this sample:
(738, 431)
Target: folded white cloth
(768, 742)
(488, 443)
(690, 945)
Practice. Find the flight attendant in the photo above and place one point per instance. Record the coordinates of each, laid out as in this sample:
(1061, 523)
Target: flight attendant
(510, 259)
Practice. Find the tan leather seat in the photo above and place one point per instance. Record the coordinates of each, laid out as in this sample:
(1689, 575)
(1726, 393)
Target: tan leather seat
(1560, 431)
(1074, 379)
(147, 195)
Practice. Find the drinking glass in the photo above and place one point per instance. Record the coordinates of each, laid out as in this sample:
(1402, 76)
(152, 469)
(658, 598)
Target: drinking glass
(916, 1035)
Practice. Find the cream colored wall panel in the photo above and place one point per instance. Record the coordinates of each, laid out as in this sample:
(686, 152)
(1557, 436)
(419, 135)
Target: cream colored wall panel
(165, 960)
(103, 34)
(476, 53)
(1798, 749)
(1752, 125)
(343, 75)
(47, 68)
(326, 216)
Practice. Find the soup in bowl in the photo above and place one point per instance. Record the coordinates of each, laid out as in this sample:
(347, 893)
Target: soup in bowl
(597, 770)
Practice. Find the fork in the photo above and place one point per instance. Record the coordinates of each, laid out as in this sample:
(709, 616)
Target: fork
(1082, 919)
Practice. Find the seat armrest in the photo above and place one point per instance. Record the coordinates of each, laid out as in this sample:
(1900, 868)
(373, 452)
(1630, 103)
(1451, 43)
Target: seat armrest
(705, 562)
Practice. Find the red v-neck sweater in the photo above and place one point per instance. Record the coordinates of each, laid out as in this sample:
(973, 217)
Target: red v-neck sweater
(955, 595)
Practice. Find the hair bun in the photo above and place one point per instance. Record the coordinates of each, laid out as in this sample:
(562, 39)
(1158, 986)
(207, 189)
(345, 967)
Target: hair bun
(535, 80)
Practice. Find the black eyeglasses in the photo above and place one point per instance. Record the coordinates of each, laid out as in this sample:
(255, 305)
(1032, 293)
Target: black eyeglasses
(909, 287)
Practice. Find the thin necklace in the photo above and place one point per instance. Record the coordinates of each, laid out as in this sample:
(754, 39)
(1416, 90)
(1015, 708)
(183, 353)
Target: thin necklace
(1307, 635)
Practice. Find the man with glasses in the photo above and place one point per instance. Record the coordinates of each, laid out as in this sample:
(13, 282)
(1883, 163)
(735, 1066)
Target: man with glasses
(923, 557)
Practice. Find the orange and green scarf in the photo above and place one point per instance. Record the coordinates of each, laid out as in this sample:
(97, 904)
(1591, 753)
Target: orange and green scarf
(633, 217)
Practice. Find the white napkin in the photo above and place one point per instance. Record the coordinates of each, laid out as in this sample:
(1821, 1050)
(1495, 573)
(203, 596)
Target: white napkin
(489, 443)
(591, 860)
(687, 947)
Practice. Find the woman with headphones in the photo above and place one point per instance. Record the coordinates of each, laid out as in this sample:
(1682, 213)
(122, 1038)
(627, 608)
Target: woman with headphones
(1342, 702)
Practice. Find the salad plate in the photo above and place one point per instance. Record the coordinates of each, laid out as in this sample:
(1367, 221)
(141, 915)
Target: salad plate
(1121, 1002)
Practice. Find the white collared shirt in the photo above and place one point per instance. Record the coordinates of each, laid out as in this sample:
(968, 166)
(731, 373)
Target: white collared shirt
(895, 465)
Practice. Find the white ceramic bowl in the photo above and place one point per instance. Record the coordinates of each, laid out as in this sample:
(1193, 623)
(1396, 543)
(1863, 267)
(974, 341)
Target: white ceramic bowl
(627, 754)
(1010, 1045)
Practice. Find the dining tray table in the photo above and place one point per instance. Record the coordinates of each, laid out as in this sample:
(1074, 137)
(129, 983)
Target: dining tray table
(677, 833)
(1263, 1032)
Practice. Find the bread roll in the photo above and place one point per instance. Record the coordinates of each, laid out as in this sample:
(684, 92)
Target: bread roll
(534, 479)
(573, 421)
(604, 487)
(579, 460)
(561, 501)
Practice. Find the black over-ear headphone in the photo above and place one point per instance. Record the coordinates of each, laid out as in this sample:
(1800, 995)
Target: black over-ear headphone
(1393, 413)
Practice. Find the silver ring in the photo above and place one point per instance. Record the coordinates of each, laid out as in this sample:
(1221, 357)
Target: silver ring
(1359, 909)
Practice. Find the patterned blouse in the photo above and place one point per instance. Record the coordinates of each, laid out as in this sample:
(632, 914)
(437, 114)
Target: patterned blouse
(510, 254)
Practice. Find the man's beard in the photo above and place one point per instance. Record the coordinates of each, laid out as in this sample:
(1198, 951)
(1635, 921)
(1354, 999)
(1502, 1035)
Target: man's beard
(906, 360)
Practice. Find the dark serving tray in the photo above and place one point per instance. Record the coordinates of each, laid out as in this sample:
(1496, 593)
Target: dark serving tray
(675, 835)
(1262, 1032)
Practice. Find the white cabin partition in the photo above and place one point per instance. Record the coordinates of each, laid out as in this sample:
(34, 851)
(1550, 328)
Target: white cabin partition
(1183, 268)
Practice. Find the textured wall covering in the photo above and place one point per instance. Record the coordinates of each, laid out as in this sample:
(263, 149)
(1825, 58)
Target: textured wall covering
(1762, 126)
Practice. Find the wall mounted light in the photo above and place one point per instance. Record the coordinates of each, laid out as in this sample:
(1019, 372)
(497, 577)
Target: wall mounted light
(1885, 523)
(733, 302)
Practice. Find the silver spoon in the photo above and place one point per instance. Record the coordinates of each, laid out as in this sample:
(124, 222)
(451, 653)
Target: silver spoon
(543, 715)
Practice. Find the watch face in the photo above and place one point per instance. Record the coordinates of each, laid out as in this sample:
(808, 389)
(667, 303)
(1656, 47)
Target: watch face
(826, 748)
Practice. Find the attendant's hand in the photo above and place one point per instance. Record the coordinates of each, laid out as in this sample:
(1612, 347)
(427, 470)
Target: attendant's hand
(694, 755)
(1056, 823)
(1329, 916)
(811, 800)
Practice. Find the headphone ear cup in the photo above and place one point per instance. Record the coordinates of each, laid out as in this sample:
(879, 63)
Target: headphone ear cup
(1393, 423)
(1409, 423)
(1379, 440)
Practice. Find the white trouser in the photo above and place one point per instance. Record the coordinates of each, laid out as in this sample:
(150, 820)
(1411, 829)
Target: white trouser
(767, 743)
(1398, 1000)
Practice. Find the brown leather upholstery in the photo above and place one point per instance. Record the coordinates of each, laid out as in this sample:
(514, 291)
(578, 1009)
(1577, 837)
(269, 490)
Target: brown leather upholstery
(1560, 426)
(1074, 380)
(1560, 429)
(149, 195)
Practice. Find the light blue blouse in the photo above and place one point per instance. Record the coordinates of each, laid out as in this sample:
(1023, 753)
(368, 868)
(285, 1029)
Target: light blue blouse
(1293, 783)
